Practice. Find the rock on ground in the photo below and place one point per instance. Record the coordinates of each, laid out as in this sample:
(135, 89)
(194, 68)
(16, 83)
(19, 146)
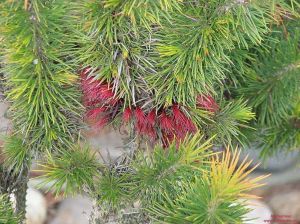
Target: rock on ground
(286, 204)
(260, 214)
(36, 207)
(75, 210)
(108, 142)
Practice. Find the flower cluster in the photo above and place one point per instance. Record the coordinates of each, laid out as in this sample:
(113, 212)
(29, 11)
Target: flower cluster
(99, 99)
(208, 103)
(168, 124)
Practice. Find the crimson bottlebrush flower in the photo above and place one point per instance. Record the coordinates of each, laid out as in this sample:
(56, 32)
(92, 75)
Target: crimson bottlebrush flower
(175, 127)
(99, 92)
(104, 91)
(180, 131)
(95, 91)
(151, 118)
(141, 122)
(95, 112)
(207, 102)
(182, 122)
(178, 115)
(99, 99)
(149, 127)
(139, 115)
(127, 114)
(190, 125)
(106, 94)
(104, 120)
(85, 80)
(166, 122)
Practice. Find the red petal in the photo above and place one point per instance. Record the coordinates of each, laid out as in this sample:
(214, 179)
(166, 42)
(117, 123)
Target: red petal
(166, 122)
(190, 126)
(141, 122)
(139, 115)
(181, 119)
(151, 118)
(180, 131)
(94, 113)
(127, 115)
(207, 102)
(102, 121)
(94, 90)
(179, 116)
(104, 92)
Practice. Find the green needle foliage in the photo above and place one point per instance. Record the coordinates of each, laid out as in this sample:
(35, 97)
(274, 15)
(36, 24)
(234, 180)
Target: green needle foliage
(185, 184)
(71, 171)
(157, 53)
(192, 56)
(178, 49)
(163, 170)
(197, 58)
(36, 42)
(228, 69)
(233, 116)
(7, 215)
(118, 35)
(113, 189)
(214, 197)
(276, 81)
(16, 154)
(35, 53)
(273, 91)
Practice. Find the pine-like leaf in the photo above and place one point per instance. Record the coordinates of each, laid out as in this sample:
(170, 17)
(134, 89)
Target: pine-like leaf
(7, 215)
(71, 171)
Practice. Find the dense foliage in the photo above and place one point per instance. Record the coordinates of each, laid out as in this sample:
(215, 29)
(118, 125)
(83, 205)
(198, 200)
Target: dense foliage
(6, 211)
(42, 85)
(185, 184)
(272, 87)
(181, 75)
(154, 57)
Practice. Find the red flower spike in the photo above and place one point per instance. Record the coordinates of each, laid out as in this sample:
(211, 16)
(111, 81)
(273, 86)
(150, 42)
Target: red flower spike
(139, 115)
(166, 122)
(151, 117)
(127, 114)
(191, 126)
(141, 122)
(90, 87)
(97, 92)
(179, 116)
(102, 122)
(182, 121)
(207, 102)
(145, 124)
(90, 103)
(180, 131)
(94, 113)
(104, 92)
(99, 98)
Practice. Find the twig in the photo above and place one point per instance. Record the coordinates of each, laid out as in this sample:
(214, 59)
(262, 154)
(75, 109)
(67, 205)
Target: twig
(26, 4)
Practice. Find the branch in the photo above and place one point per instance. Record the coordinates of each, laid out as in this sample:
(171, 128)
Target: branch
(26, 4)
